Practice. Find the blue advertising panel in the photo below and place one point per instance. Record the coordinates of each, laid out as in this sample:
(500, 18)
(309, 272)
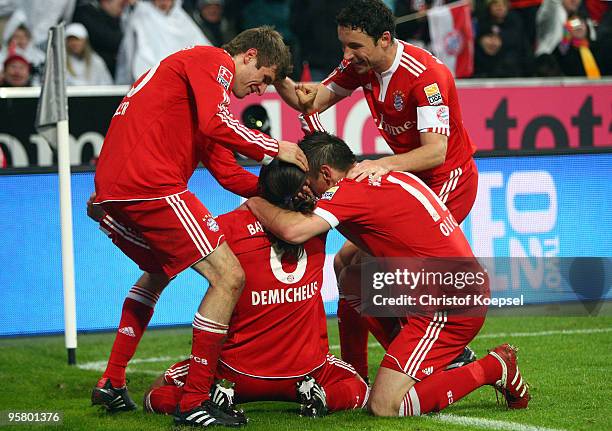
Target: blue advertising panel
(544, 206)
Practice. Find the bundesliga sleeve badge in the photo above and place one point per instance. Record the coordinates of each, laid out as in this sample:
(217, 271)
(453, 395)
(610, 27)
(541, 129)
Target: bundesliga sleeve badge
(224, 77)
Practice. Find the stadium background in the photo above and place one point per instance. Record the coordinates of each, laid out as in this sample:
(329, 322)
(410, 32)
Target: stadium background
(545, 170)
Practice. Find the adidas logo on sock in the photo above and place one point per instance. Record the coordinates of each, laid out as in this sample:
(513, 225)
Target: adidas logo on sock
(128, 330)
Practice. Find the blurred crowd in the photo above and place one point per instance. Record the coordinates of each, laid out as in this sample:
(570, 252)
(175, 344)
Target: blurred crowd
(115, 41)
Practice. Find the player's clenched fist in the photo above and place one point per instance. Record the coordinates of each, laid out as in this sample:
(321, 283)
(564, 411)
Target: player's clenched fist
(306, 94)
(291, 153)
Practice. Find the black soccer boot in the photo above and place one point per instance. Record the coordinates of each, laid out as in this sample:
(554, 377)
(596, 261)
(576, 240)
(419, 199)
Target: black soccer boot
(112, 399)
(206, 414)
(467, 356)
(312, 398)
(222, 394)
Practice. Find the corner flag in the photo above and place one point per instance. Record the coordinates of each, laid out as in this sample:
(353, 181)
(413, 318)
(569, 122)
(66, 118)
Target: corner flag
(52, 124)
(53, 102)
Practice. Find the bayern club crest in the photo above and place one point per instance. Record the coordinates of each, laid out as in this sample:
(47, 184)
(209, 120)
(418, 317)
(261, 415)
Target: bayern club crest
(398, 100)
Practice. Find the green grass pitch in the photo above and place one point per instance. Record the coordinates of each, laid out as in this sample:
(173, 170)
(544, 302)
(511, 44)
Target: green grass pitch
(566, 360)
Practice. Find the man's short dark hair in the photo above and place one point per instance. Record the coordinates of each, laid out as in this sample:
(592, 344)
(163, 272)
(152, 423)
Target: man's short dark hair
(271, 49)
(322, 148)
(372, 17)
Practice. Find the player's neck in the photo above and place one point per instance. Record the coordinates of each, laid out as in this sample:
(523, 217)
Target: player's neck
(388, 59)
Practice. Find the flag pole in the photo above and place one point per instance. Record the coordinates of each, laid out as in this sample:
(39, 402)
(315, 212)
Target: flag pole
(63, 162)
(416, 15)
(52, 124)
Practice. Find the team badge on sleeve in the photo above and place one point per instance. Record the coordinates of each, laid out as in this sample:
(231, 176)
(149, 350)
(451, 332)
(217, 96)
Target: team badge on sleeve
(398, 100)
(224, 77)
(433, 94)
(330, 193)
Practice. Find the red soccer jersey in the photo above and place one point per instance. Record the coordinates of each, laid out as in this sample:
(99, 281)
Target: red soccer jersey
(277, 326)
(417, 94)
(398, 216)
(152, 148)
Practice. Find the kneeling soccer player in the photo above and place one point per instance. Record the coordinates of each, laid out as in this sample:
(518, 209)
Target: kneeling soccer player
(276, 348)
(398, 216)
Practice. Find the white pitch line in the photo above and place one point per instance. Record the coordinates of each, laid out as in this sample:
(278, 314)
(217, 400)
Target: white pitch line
(489, 424)
(546, 333)
(101, 365)
(521, 334)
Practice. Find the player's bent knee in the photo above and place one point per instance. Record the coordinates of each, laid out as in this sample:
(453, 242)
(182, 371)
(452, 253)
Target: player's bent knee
(223, 270)
(381, 406)
(153, 282)
(232, 279)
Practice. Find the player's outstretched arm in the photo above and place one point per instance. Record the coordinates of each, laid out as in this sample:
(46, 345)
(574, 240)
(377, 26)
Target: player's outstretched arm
(324, 99)
(291, 153)
(290, 226)
(223, 166)
(286, 90)
(306, 97)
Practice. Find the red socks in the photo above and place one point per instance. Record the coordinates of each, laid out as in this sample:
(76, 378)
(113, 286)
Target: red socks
(163, 399)
(347, 394)
(208, 338)
(443, 388)
(353, 333)
(135, 316)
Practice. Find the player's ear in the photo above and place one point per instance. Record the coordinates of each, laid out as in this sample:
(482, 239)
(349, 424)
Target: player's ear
(386, 39)
(326, 173)
(250, 54)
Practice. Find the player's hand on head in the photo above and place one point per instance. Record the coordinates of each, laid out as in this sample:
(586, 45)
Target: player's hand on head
(306, 193)
(306, 94)
(368, 168)
(95, 212)
(291, 153)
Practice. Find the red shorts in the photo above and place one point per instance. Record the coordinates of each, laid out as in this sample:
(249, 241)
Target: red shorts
(250, 389)
(164, 235)
(457, 189)
(428, 344)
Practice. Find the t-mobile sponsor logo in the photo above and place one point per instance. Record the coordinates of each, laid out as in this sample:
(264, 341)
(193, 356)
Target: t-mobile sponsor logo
(396, 130)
